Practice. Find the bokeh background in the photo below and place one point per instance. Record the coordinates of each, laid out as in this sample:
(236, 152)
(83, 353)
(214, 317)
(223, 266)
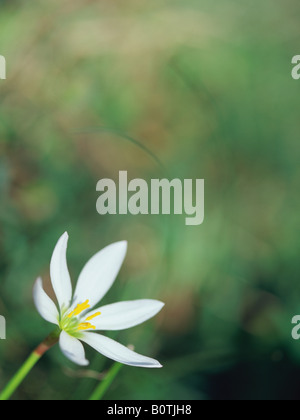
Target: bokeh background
(205, 88)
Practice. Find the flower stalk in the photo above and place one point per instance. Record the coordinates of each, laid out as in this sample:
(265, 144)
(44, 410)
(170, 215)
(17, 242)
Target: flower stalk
(27, 366)
(101, 389)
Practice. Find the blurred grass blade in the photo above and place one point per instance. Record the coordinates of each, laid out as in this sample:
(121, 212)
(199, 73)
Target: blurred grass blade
(125, 136)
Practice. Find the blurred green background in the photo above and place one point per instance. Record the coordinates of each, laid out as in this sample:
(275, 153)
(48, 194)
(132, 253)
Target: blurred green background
(206, 86)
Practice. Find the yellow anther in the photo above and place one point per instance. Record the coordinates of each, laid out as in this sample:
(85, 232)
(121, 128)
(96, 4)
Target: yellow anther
(86, 326)
(79, 308)
(93, 316)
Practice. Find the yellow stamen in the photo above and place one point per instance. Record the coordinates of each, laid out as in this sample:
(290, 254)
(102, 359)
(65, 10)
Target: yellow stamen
(86, 326)
(93, 316)
(79, 308)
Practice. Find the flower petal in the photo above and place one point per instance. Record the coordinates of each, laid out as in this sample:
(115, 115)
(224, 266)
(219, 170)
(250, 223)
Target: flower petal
(99, 274)
(117, 352)
(123, 315)
(60, 276)
(72, 349)
(45, 306)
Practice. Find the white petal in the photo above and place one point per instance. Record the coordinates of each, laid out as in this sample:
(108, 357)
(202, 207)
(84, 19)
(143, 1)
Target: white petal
(45, 306)
(72, 349)
(99, 274)
(123, 315)
(60, 276)
(117, 352)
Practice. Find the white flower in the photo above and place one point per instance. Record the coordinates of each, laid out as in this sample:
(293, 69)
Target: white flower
(73, 318)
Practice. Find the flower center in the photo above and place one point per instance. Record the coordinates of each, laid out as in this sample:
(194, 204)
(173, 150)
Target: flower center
(72, 325)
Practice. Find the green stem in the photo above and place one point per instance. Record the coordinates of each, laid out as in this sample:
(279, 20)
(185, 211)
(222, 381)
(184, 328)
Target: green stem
(27, 366)
(100, 391)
